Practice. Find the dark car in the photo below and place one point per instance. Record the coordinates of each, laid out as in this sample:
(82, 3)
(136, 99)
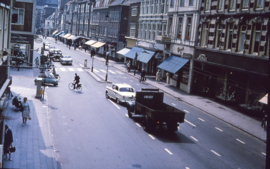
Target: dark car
(55, 54)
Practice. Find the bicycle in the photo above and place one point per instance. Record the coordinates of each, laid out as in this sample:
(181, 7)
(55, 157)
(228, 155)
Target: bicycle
(78, 87)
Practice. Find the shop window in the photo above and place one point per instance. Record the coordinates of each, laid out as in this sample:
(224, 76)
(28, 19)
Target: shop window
(182, 3)
(180, 28)
(204, 35)
(17, 16)
(134, 11)
(229, 37)
(256, 39)
(207, 5)
(220, 4)
(175, 77)
(242, 38)
(188, 29)
(21, 51)
(132, 30)
(185, 77)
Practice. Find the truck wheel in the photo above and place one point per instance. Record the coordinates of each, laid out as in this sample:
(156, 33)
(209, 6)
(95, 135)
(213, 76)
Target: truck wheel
(129, 114)
(172, 127)
(117, 101)
(146, 126)
(106, 94)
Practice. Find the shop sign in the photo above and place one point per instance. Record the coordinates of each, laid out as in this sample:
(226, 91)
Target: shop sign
(26, 39)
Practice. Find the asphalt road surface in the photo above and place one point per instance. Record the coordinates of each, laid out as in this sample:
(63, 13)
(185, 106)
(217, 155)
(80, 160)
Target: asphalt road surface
(90, 131)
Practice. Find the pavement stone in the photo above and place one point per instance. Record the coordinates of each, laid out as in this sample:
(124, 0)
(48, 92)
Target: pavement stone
(32, 141)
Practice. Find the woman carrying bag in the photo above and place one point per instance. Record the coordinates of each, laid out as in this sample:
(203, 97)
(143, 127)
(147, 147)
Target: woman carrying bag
(25, 110)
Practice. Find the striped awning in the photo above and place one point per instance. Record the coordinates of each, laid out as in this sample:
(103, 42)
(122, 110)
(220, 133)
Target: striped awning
(54, 32)
(97, 45)
(90, 42)
(71, 36)
(67, 35)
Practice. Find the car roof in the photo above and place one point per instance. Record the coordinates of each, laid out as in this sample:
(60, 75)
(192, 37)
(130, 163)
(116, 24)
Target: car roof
(122, 85)
(66, 55)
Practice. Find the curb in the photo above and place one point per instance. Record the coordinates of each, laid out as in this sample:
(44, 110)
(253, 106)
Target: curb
(200, 109)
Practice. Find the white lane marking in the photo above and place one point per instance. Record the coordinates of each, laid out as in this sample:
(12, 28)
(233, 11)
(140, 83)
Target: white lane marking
(151, 136)
(193, 138)
(186, 111)
(95, 70)
(45, 106)
(114, 104)
(94, 76)
(138, 124)
(80, 69)
(240, 141)
(119, 72)
(131, 80)
(201, 119)
(124, 77)
(71, 69)
(112, 72)
(263, 153)
(126, 115)
(63, 69)
(102, 70)
(215, 153)
(137, 84)
(219, 129)
(187, 168)
(190, 123)
(173, 104)
(168, 151)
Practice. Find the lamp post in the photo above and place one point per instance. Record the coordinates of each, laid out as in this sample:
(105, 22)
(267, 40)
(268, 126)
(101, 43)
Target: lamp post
(92, 55)
(135, 63)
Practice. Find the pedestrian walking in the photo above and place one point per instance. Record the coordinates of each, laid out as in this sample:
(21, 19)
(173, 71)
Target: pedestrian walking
(25, 110)
(158, 75)
(264, 121)
(128, 66)
(8, 142)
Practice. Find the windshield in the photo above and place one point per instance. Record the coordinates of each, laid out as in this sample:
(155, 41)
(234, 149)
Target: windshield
(57, 51)
(126, 89)
(66, 57)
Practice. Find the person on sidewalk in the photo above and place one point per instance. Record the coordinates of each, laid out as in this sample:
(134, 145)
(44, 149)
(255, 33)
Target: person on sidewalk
(143, 73)
(264, 121)
(93, 53)
(25, 110)
(8, 142)
(158, 75)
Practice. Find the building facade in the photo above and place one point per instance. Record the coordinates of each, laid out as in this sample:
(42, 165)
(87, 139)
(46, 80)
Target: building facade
(49, 25)
(232, 51)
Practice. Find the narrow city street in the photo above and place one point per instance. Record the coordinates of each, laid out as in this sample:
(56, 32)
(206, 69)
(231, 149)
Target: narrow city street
(90, 131)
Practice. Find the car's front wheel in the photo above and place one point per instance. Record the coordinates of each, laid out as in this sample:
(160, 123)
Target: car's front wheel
(117, 101)
(106, 94)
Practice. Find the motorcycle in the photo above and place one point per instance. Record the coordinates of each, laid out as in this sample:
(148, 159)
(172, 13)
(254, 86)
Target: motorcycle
(16, 101)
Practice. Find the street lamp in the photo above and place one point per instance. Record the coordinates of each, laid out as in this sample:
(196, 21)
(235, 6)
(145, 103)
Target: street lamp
(92, 55)
(135, 63)
(107, 63)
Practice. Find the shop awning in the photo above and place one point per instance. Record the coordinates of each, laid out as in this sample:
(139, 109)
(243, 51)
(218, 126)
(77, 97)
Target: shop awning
(90, 42)
(264, 100)
(123, 51)
(58, 34)
(67, 35)
(132, 52)
(173, 64)
(145, 56)
(97, 45)
(54, 32)
(63, 34)
(70, 37)
(76, 37)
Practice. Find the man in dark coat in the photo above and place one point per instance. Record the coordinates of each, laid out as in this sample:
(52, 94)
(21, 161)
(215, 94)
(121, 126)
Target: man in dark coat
(143, 73)
(8, 142)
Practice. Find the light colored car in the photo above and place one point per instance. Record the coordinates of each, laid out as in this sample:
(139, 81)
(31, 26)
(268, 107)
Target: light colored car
(66, 59)
(47, 46)
(47, 78)
(120, 92)
(55, 54)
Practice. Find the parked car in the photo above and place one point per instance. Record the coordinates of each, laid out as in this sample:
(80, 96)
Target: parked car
(52, 47)
(55, 54)
(66, 59)
(47, 78)
(120, 92)
(47, 46)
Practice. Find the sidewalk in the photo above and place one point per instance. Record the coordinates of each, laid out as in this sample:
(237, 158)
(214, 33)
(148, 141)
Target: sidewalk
(232, 117)
(34, 148)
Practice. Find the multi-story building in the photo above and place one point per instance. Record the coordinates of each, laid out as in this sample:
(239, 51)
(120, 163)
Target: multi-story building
(53, 3)
(23, 30)
(183, 18)
(233, 48)
(152, 23)
(42, 12)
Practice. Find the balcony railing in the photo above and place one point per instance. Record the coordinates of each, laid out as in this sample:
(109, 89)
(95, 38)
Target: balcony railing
(163, 39)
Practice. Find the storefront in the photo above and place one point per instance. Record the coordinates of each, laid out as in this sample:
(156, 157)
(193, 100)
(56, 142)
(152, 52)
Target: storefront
(122, 52)
(22, 49)
(132, 54)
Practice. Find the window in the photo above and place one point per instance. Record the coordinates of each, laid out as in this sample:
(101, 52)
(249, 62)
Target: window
(134, 11)
(172, 3)
(132, 30)
(190, 2)
(245, 4)
(256, 39)
(208, 5)
(242, 38)
(17, 16)
(188, 29)
(229, 37)
(116, 16)
(154, 32)
(232, 4)
(220, 4)
(180, 27)
(170, 27)
(164, 29)
(218, 36)
(204, 36)
(259, 3)
(182, 3)
(159, 31)
(149, 30)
